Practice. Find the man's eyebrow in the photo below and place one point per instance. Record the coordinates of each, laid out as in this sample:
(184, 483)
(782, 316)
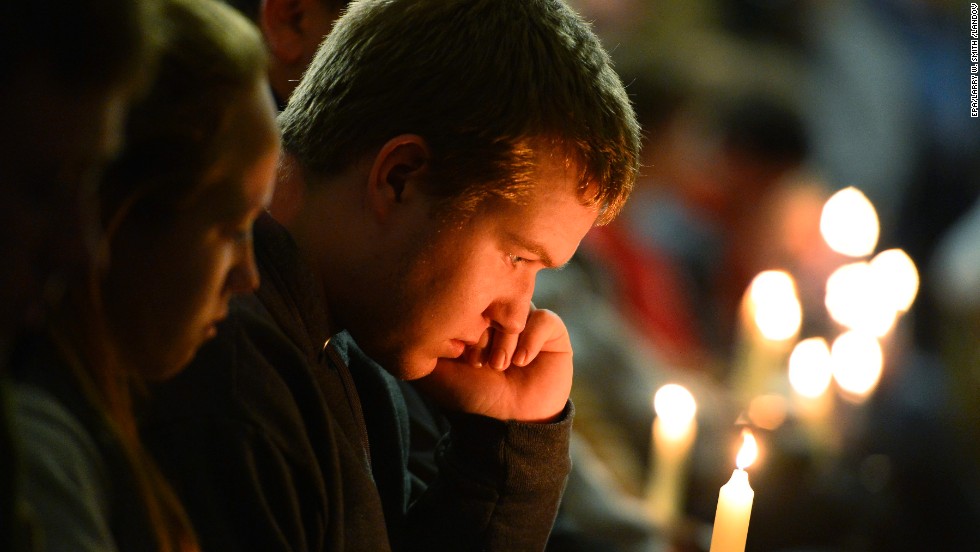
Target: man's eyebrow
(534, 248)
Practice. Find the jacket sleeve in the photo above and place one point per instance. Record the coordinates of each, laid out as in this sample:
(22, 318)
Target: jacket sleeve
(498, 488)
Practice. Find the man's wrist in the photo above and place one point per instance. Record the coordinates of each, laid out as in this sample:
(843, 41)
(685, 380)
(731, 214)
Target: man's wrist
(523, 456)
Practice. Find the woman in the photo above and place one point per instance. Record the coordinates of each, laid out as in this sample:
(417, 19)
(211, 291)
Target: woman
(177, 209)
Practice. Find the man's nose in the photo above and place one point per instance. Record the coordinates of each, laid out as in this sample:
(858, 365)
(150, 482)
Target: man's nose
(509, 313)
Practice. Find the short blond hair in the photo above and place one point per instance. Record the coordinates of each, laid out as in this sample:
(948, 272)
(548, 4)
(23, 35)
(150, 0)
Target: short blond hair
(490, 84)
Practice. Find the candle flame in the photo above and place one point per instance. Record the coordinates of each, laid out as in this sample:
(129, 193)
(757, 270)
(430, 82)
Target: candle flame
(858, 297)
(774, 305)
(897, 274)
(857, 362)
(675, 406)
(810, 371)
(849, 223)
(749, 451)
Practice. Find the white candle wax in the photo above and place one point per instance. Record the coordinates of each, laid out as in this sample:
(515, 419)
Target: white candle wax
(664, 491)
(674, 430)
(735, 502)
(769, 320)
(732, 517)
(810, 375)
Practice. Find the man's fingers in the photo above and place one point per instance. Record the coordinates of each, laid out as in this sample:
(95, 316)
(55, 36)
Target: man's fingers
(477, 355)
(498, 350)
(544, 330)
(502, 349)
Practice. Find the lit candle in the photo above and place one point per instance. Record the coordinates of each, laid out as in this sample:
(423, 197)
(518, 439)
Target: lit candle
(674, 429)
(770, 320)
(849, 223)
(858, 298)
(857, 362)
(735, 502)
(896, 272)
(810, 375)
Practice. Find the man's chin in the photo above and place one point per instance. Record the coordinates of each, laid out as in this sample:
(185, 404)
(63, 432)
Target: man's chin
(404, 363)
(408, 368)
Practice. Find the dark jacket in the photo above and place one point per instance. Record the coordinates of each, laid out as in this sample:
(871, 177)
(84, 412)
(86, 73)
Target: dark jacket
(276, 441)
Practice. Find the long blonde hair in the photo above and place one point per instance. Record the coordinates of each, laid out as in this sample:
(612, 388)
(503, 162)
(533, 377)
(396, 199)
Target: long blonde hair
(209, 56)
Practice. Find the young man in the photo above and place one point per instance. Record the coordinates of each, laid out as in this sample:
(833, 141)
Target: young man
(438, 156)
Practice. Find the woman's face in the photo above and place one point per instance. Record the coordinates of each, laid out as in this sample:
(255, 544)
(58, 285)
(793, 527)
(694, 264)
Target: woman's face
(167, 290)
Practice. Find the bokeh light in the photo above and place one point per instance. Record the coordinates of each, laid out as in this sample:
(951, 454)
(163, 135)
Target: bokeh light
(675, 407)
(810, 370)
(774, 305)
(857, 362)
(849, 223)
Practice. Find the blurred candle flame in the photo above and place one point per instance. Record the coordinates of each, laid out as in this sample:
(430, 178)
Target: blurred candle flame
(858, 297)
(849, 223)
(676, 407)
(810, 371)
(898, 276)
(857, 362)
(768, 411)
(749, 451)
(774, 305)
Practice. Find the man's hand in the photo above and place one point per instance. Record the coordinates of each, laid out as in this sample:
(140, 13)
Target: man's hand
(525, 377)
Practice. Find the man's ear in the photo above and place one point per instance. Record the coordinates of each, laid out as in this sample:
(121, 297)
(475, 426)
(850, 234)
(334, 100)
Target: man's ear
(399, 168)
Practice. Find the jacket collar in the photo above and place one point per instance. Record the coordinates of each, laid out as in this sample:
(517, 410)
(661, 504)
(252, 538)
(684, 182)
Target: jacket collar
(289, 289)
